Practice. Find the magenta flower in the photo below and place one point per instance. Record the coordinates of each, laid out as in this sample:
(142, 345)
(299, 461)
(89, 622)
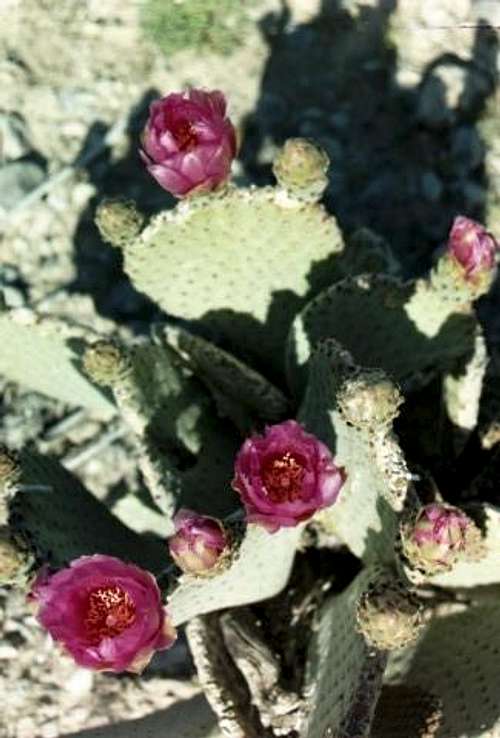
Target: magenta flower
(437, 537)
(105, 613)
(200, 544)
(471, 246)
(285, 476)
(189, 143)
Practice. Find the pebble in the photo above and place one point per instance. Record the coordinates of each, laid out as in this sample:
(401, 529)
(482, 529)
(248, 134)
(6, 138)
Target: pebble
(18, 179)
(14, 141)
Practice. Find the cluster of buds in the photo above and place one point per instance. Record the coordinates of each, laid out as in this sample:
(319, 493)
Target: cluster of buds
(108, 615)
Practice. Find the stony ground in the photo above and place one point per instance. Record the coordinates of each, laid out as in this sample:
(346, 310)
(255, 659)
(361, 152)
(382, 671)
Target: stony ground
(394, 92)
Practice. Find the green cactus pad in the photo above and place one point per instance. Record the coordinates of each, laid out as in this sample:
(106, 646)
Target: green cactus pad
(240, 392)
(343, 675)
(456, 659)
(405, 711)
(59, 520)
(462, 389)
(407, 329)
(365, 516)
(260, 570)
(242, 262)
(43, 354)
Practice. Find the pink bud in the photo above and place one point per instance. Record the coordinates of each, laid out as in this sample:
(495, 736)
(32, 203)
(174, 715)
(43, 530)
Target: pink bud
(472, 246)
(107, 614)
(200, 544)
(285, 476)
(437, 537)
(188, 142)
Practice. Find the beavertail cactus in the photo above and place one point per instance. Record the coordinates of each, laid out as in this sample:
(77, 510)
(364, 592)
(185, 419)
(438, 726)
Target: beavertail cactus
(298, 415)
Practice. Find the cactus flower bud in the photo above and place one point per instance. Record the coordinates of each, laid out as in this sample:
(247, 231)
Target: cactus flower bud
(436, 538)
(389, 615)
(14, 562)
(105, 362)
(188, 142)
(471, 246)
(200, 544)
(118, 221)
(301, 168)
(285, 476)
(106, 614)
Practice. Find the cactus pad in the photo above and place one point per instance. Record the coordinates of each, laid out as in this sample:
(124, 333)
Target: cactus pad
(407, 329)
(456, 659)
(43, 354)
(260, 570)
(344, 676)
(255, 256)
(59, 520)
(240, 392)
(365, 516)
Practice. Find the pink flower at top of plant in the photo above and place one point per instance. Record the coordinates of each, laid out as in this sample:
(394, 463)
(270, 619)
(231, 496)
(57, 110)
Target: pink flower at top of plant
(199, 544)
(285, 476)
(437, 537)
(189, 143)
(105, 613)
(471, 246)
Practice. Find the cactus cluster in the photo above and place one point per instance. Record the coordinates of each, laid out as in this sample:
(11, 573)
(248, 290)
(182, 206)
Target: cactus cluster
(271, 410)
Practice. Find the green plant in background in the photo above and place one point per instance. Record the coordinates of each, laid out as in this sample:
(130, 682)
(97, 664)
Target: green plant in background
(271, 411)
(211, 25)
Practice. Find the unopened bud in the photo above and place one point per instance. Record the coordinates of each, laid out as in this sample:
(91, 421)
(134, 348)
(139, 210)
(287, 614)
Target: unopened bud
(118, 221)
(13, 561)
(200, 545)
(369, 399)
(436, 538)
(301, 168)
(105, 362)
(389, 615)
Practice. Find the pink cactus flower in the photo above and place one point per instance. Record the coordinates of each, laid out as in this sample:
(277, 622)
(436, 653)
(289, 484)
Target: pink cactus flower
(188, 142)
(437, 537)
(472, 246)
(105, 613)
(285, 476)
(200, 544)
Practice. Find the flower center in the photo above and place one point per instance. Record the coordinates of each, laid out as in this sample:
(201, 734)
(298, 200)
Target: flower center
(110, 611)
(282, 478)
(185, 135)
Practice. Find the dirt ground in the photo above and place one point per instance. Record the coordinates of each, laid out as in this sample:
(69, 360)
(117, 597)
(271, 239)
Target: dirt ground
(75, 80)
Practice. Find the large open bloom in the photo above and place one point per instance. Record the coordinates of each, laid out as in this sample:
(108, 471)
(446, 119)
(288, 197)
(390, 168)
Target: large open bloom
(188, 142)
(471, 246)
(200, 544)
(107, 614)
(285, 476)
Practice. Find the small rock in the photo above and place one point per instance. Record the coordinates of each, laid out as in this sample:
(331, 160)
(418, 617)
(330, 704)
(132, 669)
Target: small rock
(17, 179)
(13, 137)
(7, 652)
(79, 684)
(486, 11)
